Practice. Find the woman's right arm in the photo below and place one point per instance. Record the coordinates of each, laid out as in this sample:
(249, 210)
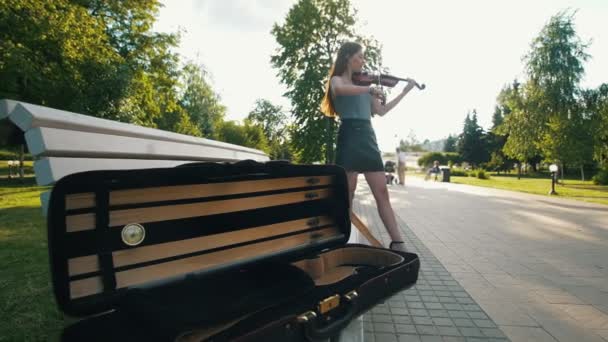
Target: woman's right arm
(339, 87)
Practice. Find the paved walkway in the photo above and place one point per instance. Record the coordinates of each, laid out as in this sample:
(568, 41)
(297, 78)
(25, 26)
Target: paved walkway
(526, 267)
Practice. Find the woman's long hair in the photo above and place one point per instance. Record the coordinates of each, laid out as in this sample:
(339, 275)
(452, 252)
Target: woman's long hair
(344, 53)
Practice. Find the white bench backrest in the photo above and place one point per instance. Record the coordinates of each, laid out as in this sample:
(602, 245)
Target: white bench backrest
(63, 143)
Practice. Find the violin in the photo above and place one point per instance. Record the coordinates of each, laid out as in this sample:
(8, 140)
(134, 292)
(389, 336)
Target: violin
(367, 79)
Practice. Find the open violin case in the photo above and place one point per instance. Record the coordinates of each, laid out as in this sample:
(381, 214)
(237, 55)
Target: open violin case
(241, 251)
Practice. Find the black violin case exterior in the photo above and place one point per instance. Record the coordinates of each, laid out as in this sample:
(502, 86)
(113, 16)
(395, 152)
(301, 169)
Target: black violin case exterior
(241, 251)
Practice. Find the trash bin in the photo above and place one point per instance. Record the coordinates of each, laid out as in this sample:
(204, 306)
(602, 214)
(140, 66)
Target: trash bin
(445, 172)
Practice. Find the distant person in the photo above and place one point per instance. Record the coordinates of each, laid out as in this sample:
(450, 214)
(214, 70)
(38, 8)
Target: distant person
(401, 166)
(433, 170)
(389, 168)
(357, 149)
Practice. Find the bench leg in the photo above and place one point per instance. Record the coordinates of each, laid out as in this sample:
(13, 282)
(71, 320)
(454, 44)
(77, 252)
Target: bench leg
(364, 230)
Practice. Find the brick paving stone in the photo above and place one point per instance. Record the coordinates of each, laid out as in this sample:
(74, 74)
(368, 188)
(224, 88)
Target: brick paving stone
(438, 313)
(405, 328)
(384, 327)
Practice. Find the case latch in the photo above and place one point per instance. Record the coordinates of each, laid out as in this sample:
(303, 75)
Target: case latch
(328, 304)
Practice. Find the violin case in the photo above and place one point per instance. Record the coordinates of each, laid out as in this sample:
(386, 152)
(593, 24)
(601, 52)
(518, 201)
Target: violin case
(243, 251)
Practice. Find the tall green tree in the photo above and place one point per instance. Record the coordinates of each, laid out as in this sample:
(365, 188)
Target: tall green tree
(200, 101)
(55, 53)
(555, 68)
(520, 129)
(150, 67)
(273, 121)
(595, 107)
(472, 143)
(93, 57)
(450, 144)
(271, 117)
(496, 142)
(308, 40)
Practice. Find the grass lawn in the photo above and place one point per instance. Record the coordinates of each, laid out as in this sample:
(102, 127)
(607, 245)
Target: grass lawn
(573, 189)
(27, 305)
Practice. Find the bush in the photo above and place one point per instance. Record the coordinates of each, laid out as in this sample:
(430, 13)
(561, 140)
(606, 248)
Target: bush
(12, 155)
(601, 178)
(481, 174)
(443, 158)
(458, 172)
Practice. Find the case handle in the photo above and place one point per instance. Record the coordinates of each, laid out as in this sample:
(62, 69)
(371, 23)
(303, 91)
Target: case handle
(315, 333)
(313, 180)
(311, 195)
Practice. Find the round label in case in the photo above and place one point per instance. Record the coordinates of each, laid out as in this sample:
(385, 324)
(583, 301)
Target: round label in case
(133, 234)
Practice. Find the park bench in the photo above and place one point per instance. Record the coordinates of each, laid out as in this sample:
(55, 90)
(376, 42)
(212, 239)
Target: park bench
(64, 143)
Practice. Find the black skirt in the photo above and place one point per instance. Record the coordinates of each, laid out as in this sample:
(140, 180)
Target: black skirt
(357, 149)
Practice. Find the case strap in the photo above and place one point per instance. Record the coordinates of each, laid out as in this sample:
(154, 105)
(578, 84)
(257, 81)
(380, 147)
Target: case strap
(102, 219)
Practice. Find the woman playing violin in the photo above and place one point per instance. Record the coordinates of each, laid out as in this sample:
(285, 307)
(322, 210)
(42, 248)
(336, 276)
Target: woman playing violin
(357, 150)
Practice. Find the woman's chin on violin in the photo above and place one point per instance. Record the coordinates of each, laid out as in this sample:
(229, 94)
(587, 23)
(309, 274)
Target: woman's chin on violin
(354, 96)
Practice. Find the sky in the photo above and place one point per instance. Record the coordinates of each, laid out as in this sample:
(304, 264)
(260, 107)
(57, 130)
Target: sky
(464, 51)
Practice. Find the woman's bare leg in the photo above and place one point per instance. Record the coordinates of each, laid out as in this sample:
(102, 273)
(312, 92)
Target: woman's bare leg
(352, 186)
(377, 183)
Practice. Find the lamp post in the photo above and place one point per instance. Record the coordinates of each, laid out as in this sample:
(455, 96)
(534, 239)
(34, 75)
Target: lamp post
(553, 170)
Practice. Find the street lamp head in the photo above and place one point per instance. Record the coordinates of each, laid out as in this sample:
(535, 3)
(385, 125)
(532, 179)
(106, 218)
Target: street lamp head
(553, 168)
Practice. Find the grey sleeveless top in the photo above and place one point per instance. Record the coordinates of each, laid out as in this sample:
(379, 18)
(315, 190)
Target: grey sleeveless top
(353, 106)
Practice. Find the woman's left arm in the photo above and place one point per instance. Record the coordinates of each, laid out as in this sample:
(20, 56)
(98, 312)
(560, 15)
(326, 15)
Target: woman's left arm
(378, 108)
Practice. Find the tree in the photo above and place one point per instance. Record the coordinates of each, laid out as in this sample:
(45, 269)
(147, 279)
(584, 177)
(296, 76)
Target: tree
(93, 57)
(411, 143)
(519, 129)
(496, 142)
(471, 143)
(57, 54)
(595, 109)
(308, 40)
(600, 120)
(450, 144)
(243, 135)
(555, 68)
(443, 158)
(273, 121)
(199, 100)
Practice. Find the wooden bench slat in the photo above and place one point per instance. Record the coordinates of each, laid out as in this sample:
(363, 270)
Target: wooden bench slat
(44, 141)
(27, 116)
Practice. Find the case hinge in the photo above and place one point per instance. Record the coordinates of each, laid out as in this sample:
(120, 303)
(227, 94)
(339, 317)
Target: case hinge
(352, 295)
(307, 316)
